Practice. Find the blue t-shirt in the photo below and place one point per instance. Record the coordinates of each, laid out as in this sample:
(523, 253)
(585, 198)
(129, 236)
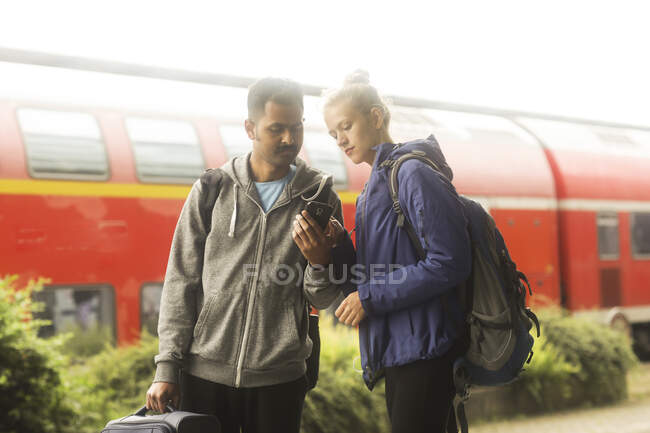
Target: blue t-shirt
(270, 191)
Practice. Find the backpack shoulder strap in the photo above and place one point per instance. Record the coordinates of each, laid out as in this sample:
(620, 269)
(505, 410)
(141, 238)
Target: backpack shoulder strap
(211, 186)
(393, 170)
(402, 221)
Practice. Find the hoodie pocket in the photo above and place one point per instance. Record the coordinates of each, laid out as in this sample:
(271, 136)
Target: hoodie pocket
(276, 340)
(218, 329)
(205, 312)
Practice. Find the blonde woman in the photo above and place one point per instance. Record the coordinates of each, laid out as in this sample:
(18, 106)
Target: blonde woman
(406, 307)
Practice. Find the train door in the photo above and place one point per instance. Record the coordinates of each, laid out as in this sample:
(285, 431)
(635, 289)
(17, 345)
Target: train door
(609, 266)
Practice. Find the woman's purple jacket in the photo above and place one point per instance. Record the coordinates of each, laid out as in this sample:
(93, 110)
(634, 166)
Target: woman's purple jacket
(403, 296)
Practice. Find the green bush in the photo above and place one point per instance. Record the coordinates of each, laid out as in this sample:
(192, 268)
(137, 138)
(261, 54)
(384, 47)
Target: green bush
(577, 362)
(111, 384)
(549, 377)
(341, 402)
(84, 343)
(32, 396)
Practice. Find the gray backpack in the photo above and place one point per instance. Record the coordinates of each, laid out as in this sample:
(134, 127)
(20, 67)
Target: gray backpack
(497, 321)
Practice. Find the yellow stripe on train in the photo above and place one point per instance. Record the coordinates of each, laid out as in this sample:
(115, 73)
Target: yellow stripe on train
(108, 189)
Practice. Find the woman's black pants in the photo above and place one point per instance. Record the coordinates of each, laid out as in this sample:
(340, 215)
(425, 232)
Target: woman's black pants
(419, 396)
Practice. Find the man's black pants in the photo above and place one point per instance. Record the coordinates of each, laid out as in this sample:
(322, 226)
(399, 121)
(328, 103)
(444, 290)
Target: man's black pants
(419, 396)
(265, 409)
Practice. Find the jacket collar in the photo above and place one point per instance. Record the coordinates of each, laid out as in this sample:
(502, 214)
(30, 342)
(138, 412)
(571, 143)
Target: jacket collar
(383, 152)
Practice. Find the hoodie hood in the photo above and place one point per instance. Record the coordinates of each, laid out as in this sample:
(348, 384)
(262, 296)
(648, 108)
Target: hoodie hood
(428, 145)
(306, 178)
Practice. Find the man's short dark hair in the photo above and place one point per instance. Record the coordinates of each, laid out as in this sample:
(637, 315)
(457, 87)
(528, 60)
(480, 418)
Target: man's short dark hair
(278, 90)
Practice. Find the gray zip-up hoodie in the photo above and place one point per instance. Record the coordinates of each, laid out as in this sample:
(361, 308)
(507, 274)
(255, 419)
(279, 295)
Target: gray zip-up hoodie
(234, 304)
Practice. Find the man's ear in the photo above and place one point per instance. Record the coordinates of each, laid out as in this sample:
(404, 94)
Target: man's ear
(249, 125)
(377, 116)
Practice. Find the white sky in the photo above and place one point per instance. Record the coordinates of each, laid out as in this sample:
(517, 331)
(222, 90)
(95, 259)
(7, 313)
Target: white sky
(578, 58)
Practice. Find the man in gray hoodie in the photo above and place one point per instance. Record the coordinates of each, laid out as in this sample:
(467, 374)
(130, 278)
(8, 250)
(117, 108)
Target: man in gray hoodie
(233, 321)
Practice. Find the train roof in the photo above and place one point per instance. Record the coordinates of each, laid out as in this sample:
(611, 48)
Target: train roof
(593, 161)
(493, 152)
(215, 79)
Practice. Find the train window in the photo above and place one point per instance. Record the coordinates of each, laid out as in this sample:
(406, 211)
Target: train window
(235, 140)
(63, 144)
(410, 123)
(325, 155)
(608, 242)
(165, 151)
(83, 309)
(640, 227)
(150, 307)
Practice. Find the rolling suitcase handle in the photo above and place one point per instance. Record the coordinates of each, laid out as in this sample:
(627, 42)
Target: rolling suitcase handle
(143, 410)
(170, 422)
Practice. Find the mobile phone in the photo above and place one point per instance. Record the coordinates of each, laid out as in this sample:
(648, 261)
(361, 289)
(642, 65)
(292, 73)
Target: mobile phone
(321, 212)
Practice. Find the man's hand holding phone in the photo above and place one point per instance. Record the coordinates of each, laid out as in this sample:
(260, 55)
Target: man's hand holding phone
(314, 241)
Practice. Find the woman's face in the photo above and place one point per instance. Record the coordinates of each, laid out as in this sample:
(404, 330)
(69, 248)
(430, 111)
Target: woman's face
(353, 131)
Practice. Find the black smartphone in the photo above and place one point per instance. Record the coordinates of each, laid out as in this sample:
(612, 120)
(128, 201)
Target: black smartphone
(321, 212)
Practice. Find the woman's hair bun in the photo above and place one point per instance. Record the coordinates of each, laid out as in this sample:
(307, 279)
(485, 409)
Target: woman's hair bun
(357, 77)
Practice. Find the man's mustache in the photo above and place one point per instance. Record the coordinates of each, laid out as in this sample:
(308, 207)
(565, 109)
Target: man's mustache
(287, 148)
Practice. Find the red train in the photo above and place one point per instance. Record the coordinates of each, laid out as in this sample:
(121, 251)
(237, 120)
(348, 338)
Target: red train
(89, 197)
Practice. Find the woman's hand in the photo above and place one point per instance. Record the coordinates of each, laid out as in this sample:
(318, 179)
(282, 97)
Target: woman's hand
(314, 243)
(335, 231)
(351, 312)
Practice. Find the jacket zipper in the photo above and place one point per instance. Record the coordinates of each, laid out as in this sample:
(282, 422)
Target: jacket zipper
(363, 220)
(362, 233)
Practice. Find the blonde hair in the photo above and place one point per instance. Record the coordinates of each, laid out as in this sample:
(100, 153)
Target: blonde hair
(357, 90)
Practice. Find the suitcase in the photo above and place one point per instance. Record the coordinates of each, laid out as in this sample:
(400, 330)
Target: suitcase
(171, 422)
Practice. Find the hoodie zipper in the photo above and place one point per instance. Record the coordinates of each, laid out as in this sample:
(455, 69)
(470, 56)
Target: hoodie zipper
(253, 288)
(249, 309)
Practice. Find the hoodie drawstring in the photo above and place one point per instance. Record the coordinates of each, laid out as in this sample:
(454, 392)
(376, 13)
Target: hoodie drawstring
(323, 181)
(233, 219)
